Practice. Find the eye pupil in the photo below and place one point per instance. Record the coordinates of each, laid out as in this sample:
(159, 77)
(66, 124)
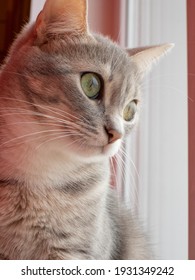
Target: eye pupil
(91, 85)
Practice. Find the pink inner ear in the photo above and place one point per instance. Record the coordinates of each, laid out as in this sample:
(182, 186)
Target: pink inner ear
(70, 14)
(38, 22)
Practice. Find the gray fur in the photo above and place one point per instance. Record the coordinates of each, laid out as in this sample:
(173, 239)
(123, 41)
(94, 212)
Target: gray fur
(55, 195)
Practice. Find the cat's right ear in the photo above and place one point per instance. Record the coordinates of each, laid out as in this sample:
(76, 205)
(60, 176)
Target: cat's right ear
(145, 57)
(61, 17)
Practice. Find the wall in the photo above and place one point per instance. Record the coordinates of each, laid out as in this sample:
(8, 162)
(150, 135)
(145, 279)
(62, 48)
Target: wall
(36, 7)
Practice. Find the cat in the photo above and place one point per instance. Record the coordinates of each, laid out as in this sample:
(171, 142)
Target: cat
(68, 99)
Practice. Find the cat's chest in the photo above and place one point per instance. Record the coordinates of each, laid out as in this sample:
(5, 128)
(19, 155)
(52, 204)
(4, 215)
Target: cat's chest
(75, 226)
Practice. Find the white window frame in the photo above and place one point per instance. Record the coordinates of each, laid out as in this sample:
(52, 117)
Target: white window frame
(159, 147)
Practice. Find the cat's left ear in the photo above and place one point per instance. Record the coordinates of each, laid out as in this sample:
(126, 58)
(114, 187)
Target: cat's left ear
(145, 57)
(61, 17)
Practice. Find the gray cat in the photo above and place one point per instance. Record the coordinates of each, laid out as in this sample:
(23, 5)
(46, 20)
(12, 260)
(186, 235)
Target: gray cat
(68, 98)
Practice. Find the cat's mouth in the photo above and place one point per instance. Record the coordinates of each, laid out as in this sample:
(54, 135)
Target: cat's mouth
(83, 147)
(111, 149)
(107, 150)
(92, 147)
(108, 145)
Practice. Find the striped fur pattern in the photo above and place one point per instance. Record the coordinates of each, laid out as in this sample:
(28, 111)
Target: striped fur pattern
(55, 198)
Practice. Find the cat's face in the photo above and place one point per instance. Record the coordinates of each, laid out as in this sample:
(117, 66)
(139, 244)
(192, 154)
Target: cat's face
(89, 88)
(82, 89)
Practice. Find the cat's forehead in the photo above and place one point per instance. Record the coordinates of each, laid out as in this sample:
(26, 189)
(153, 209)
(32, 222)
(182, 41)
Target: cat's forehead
(113, 55)
(97, 54)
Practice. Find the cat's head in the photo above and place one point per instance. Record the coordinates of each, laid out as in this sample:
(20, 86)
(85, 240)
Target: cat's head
(77, 91)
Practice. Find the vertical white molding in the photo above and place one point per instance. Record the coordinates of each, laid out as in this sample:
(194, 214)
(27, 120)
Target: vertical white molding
(123, 23)
(161, 138)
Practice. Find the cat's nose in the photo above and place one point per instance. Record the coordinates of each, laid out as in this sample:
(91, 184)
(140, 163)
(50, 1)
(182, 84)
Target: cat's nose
(113, 136)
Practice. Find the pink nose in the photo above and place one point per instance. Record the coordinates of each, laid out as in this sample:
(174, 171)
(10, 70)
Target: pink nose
(113, 136)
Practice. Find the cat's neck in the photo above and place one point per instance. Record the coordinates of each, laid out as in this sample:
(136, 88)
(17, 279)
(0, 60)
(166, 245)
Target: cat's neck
(54, 169)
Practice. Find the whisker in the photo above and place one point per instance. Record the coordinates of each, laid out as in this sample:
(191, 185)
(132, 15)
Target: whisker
(37, 123)
(16, 73)
(28, 135)
(125, 172)
(68, 134)
(71, 115)
(165, 86)
(28, 112)
(77, 140)
(68, 120)
(22, 111)
(49, 108)
(120, 171)
(132, 162)
(53, 139)
(156, 77)
(38, 138)
(82, 143)
(115, 175)
(121, 165)
(130, 192)
(53, 124)
(64, 123)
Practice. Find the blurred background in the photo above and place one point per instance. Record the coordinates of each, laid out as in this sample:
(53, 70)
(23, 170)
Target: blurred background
(155, 181)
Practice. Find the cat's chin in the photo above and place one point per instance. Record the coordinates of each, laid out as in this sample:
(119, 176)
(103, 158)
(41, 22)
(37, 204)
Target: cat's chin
(88, 151)
(111, 149)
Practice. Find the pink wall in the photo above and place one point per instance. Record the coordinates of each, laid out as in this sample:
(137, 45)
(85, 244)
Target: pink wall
(104, 17)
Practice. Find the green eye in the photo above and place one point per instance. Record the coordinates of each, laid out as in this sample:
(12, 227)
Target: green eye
(130, 111)
(91, 85)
